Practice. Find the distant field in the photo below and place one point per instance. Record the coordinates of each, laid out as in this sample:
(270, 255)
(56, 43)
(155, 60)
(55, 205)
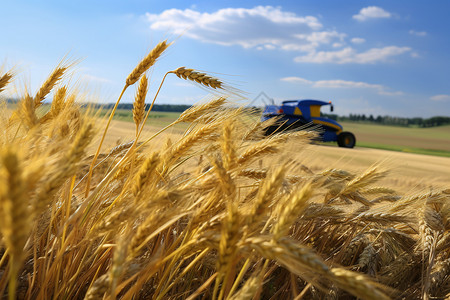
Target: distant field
(432, 141)
(429, 141)
(408, 171)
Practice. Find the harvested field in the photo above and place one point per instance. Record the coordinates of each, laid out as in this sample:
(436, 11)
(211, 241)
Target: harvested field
(408, 170)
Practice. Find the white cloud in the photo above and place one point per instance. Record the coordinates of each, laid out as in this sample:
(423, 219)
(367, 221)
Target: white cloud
(358, 40)
(267, 28)
(343, 84)
(261, 27)
(349, 55)
(418, 33)
(371, 12)
(440, 98)
(337, 45)
(90, 78)
(297, 80)
(339, 84)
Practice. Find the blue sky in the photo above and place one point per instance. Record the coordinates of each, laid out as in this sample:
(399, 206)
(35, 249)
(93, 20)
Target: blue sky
(371, 57)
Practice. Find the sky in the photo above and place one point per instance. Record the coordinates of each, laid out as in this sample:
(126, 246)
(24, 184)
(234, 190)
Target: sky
(367, 57)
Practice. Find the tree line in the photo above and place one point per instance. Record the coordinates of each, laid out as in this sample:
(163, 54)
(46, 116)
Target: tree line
(156, 107)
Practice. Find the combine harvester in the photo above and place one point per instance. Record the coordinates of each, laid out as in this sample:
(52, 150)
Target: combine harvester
(303, 114)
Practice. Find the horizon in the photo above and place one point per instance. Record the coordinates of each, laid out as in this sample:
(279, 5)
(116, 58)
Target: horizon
(386, 58)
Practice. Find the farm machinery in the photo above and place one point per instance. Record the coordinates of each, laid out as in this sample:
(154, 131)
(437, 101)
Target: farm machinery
(305, 114)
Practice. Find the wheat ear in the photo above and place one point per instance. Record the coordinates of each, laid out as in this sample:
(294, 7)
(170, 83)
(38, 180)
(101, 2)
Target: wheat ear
(147, 62)
(27, 110)
(119, 258)
(144, 174)
(227, 246)
(48, 85)
(357, 284)
(4, 80)
(15, 216)
(65, 168)
(266, 193)
(57, 105)
(139, 102)
(201, 78)
(99, 288)
(197, 111)
(228, 145)
(370, 176)
(58, 100)
(290, 210)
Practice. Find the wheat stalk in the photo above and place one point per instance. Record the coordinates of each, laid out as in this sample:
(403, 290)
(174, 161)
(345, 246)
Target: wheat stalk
(134, 76)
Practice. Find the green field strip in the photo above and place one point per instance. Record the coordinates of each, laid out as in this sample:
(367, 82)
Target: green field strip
(404, 149)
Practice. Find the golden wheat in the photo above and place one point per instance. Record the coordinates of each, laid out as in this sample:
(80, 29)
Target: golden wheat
(202, 215)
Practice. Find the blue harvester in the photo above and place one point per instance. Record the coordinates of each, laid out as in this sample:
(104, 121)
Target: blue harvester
(301, 114)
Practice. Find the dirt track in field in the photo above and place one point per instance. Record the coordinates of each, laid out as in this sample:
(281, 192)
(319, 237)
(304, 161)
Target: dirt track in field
(407, 172)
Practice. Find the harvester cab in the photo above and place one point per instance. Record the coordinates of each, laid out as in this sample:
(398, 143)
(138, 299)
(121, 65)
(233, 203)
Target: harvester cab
(303, 114)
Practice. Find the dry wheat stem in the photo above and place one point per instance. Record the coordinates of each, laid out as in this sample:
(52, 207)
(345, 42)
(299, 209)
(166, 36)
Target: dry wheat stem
(148, 113)
(91, 167)
(134, 76)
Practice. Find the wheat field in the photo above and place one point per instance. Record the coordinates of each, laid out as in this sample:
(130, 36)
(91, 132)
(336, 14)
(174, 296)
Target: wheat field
(216, 212)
